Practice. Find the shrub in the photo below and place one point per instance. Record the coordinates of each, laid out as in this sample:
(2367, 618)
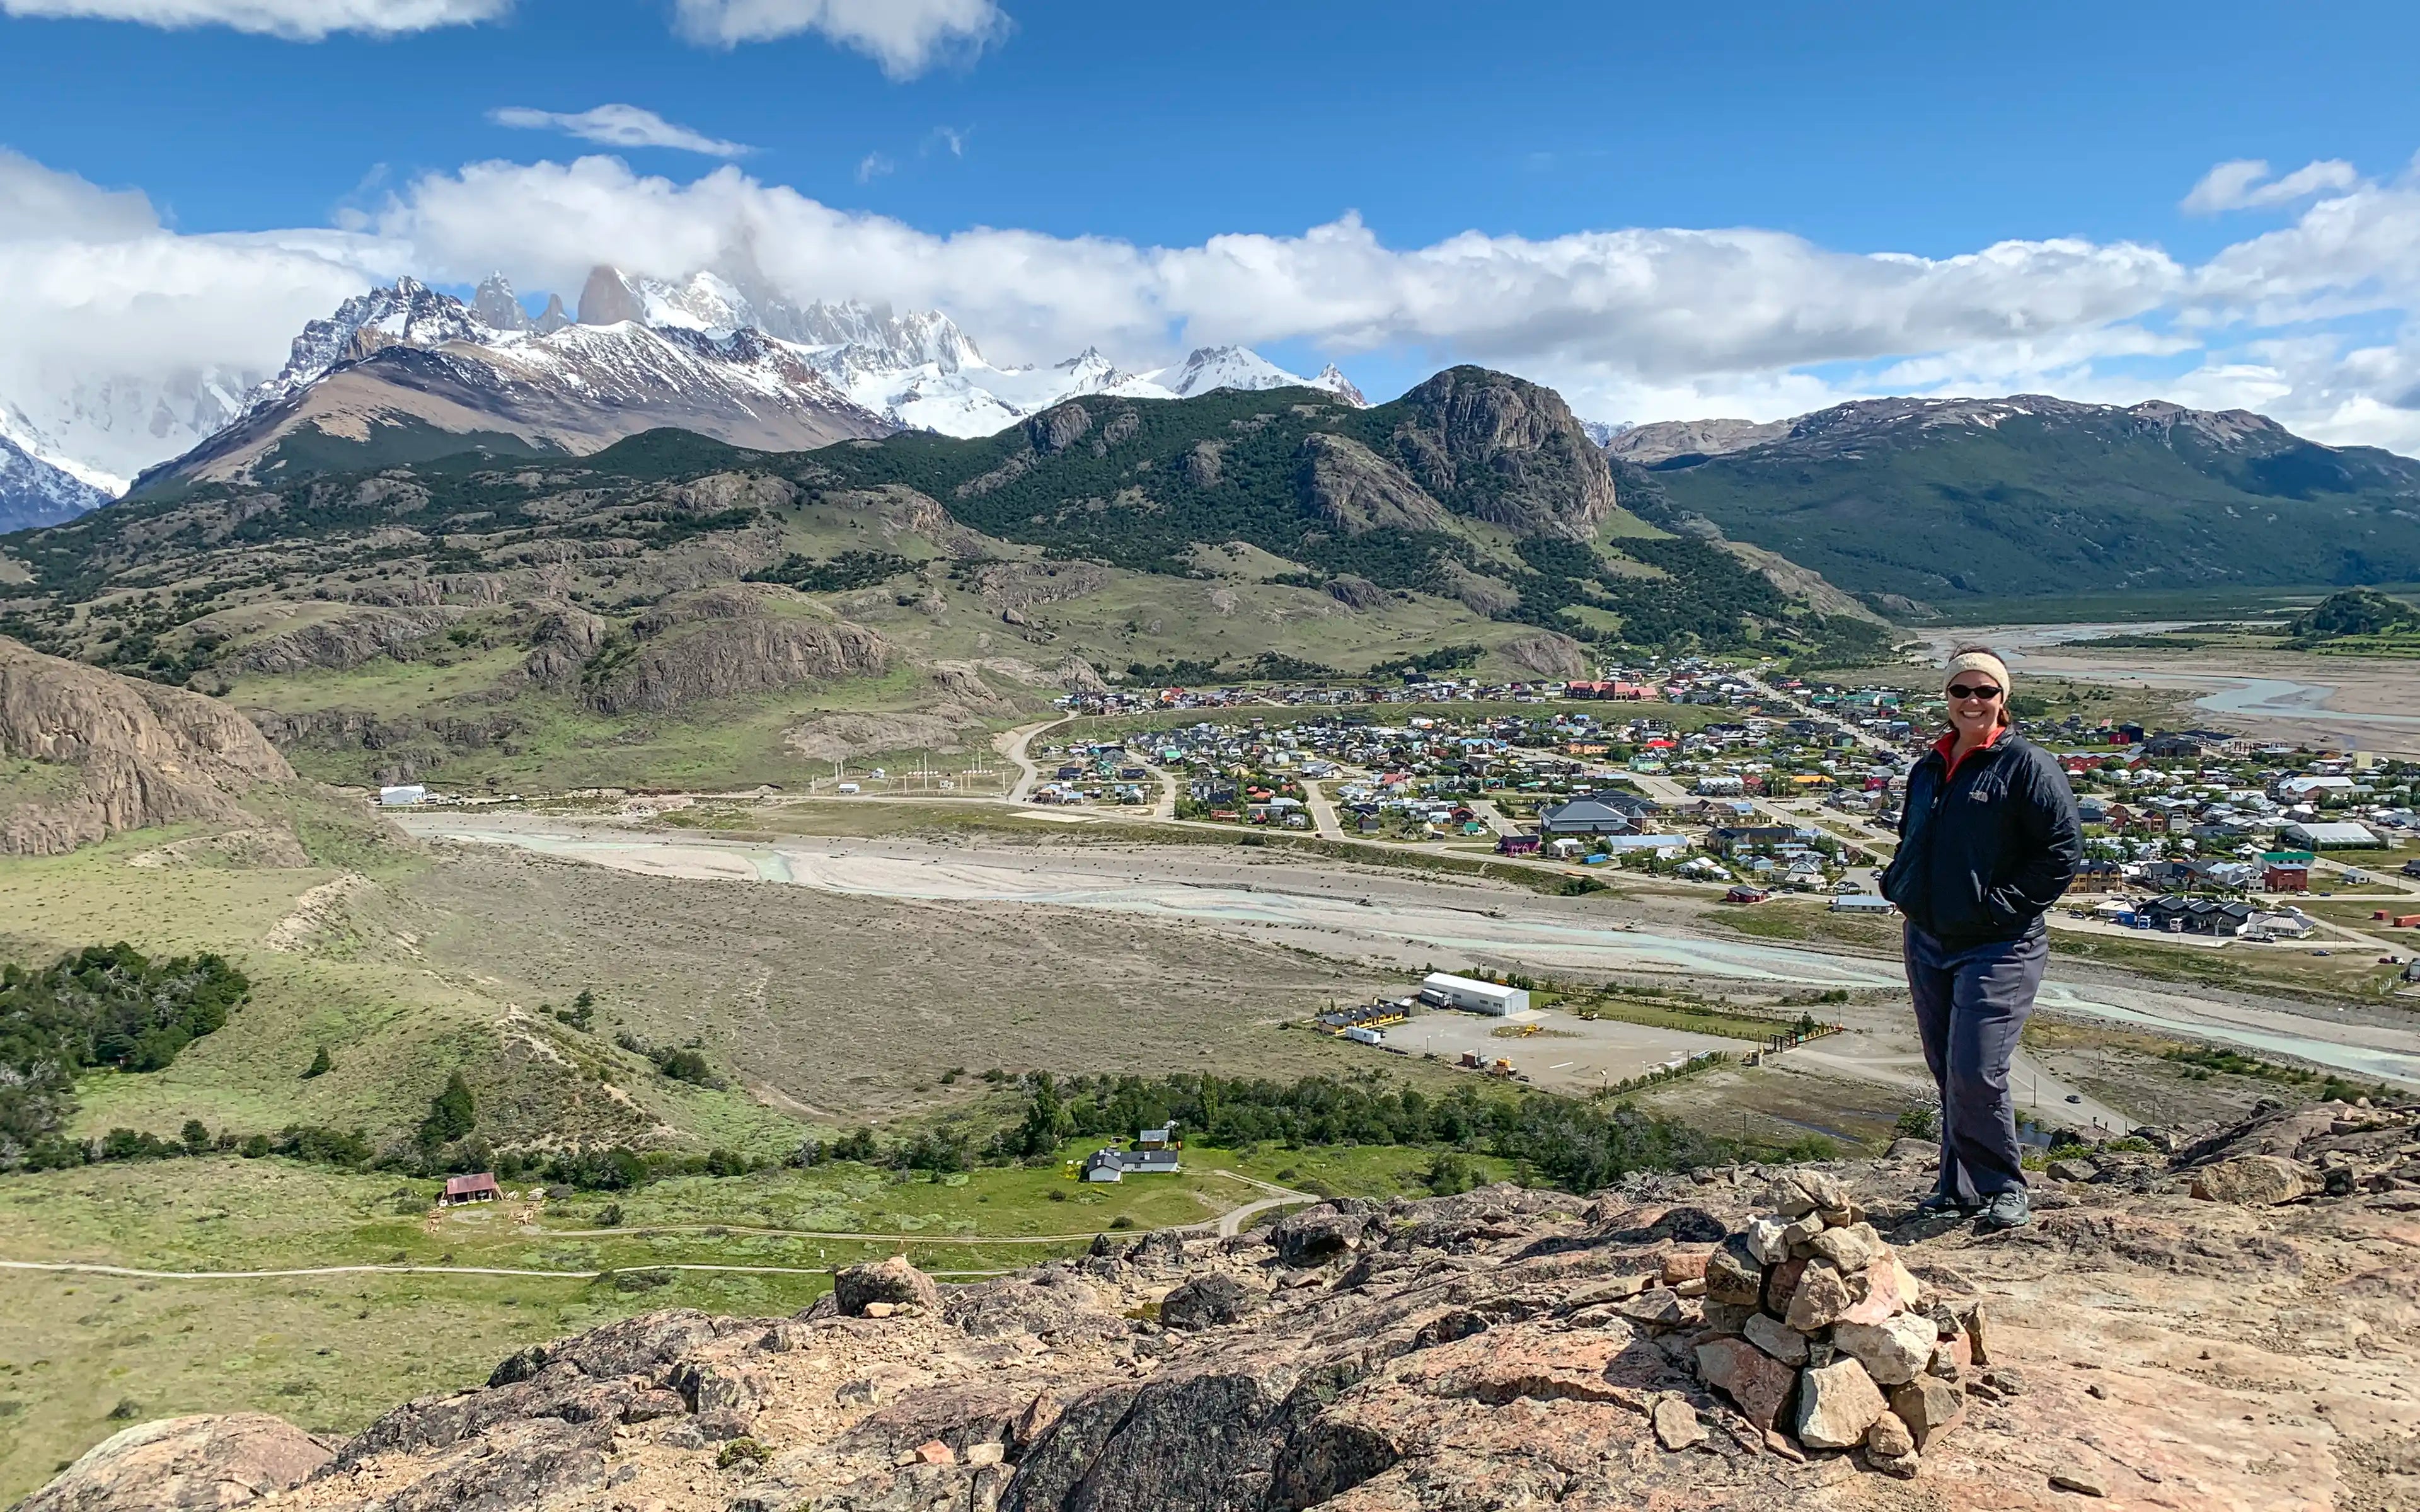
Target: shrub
(742, 1452)
(451, 1113)
(321, 1064)
(1920, 1123)
(104, 1005)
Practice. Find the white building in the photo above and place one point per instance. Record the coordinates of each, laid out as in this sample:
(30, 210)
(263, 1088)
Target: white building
(1445, 991)
(2321, 837)
(1861, 903)
(402, 795)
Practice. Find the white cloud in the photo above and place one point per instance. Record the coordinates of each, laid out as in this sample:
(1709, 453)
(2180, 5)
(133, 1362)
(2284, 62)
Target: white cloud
(2316, 321)
(906, 36)
(307, 21)
(2239, 185)
(619, 126)
(118, 329)
(872, 167)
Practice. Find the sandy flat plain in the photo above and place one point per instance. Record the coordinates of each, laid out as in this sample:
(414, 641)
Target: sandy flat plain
(1337, 928)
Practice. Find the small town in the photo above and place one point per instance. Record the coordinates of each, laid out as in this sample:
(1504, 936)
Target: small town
(1754, 786)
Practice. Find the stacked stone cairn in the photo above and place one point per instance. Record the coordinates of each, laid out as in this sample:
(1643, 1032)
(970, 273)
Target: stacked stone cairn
(1817, 1328)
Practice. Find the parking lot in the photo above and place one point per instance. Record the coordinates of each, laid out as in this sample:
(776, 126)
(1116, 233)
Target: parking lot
(1565, 1053)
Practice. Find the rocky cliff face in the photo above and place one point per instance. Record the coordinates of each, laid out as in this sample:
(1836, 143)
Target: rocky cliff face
(2230, 1328)
(721, 642)
(1508, 450)
(85, 754)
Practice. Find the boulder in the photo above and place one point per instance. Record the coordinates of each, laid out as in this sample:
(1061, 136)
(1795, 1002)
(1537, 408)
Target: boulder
(1852, 1248)
(1206, 1302)
(185, 1464)
(1821, 1296)
(2254, 1181)
(1890, 1448)
(1894, 1352)
(1734, 1274)
(1316, 1234)
(1781, 1285)
(893, 1281)
(1755, 1380)
(1836, 1404)
(1928, 1406)
(1889, 1437)
(1776, 1338)
(1688, 1226)
(1677, 1426)
(1661, 1308)
(1765, 1241)
(1888, 1288)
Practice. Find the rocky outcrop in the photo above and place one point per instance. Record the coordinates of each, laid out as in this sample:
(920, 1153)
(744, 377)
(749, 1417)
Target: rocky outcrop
(185, 1464)
(838, 737)
(343, 639)
(1510, 1348)
(727, 642)
(561, 640)
(1544, 654)
(1664, 440)
(1506, 451)
(1355, 490)
(1478, 593)
(1355, 591)
(114, 753)
(892, 1283)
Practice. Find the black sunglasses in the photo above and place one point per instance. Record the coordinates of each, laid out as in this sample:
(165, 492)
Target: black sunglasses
(1960, 690)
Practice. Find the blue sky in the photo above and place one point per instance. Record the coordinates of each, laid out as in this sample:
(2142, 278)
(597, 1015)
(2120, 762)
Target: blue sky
(1915, 128)
(1834, 133)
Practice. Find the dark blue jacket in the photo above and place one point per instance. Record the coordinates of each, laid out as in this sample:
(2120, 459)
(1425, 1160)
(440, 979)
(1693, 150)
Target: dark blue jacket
(1984, 852)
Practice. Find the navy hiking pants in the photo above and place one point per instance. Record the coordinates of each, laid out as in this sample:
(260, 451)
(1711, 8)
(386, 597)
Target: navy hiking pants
(1970, 1005)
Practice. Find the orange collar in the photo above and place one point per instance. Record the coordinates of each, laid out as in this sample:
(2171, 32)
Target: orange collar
(1947, 744)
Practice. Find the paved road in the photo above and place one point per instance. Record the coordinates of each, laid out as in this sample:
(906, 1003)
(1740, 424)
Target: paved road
(1323, 822)
(1235, 1220)
(1494, 818)
(1011, 743)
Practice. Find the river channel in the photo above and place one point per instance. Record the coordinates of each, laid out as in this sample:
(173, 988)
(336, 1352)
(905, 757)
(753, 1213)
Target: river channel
(1409, 924)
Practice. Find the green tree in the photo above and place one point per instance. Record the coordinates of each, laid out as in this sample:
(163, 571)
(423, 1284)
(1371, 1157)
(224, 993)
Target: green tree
(451, 1113)
(321, 1064)
(197, 1139)
(1046, 1120)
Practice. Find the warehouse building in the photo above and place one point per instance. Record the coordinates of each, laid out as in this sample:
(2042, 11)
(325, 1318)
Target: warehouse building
(1443, 991)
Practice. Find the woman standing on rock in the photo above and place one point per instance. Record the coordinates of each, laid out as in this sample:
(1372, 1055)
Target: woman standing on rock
(1989, 839)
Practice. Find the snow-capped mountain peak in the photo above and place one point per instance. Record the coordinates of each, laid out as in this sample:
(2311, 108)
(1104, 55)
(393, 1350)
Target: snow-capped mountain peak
(497, 307)
(1333, 378)
(1240, 367)
(37, 487)
(703, 349)
(409, 313)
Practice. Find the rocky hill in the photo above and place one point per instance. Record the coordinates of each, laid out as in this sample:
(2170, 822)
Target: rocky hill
(1947, 500)
(1235, 529)
(2229, 1327)
(86, 754)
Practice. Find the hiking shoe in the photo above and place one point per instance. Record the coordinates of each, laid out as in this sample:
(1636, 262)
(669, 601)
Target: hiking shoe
(2008, 1210)
(1940, 1204)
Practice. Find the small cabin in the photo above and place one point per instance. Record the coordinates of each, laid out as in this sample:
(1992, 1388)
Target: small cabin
(478, 1188)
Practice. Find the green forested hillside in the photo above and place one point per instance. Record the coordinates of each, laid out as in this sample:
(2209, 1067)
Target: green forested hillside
(2030, 497)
